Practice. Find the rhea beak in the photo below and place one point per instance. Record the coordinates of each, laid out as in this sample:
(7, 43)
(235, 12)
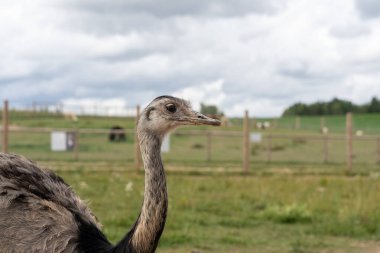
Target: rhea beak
(196, 118)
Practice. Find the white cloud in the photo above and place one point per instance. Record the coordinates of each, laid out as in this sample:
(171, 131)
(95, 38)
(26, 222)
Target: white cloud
(257, 55)
(362, 87)
(208, 93)
(256, 108)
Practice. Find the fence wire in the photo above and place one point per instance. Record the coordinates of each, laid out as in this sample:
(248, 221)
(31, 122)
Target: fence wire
(194, 147)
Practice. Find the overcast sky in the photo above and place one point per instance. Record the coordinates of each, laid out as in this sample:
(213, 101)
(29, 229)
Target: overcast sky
(260, 55)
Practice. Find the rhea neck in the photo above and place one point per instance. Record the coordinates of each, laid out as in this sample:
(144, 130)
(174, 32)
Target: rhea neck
(150, 224)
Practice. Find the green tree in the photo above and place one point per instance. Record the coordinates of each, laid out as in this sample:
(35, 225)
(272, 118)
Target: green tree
(209, 109)
(374, 105)
(334, 107)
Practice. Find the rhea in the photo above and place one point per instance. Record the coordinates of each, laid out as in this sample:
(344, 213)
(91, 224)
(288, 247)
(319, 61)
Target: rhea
(40, 213)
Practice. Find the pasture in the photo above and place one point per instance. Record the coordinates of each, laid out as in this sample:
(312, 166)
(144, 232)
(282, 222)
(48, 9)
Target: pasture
(231, 212)
(210, 146)
(295, 202)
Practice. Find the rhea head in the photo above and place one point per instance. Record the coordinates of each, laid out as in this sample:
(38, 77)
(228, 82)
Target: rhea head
(165, 113)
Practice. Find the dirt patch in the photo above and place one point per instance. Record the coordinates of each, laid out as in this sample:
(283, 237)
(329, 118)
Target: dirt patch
(368, 247)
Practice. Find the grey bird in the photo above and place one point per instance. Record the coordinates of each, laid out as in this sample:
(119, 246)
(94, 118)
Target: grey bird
(40, 213)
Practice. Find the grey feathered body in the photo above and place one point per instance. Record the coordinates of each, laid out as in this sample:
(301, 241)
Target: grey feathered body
(39, 212)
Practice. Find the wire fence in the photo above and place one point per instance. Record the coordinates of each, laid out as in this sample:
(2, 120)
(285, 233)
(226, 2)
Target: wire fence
(195, 147)
(243, 148)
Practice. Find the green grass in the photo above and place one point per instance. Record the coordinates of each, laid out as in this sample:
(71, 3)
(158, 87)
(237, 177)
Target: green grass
(368, 123)
(293, 203)
(192, 150)
(52, 120)
(224, 212)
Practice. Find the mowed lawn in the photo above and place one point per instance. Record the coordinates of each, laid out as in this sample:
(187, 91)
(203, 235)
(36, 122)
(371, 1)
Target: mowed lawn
(230, 212)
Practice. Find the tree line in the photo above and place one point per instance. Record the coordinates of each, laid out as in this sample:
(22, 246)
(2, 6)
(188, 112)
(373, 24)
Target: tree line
(334, 107)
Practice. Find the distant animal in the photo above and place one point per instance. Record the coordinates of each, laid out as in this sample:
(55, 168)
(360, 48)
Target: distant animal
(263, 125)
(40, 213)
(117, 133)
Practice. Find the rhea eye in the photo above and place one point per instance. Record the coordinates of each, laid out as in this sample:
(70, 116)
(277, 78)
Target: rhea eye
(171, 108)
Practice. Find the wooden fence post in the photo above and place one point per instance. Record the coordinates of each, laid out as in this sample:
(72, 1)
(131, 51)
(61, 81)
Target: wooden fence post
(137, 145)
(5, 126)
(349, 150)
(246, 143)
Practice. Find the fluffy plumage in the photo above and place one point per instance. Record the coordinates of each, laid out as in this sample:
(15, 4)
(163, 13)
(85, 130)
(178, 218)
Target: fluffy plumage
(39, 212)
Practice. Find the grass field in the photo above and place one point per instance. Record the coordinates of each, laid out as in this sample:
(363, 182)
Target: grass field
(193, 149)
(293, 204)
(230, 212)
